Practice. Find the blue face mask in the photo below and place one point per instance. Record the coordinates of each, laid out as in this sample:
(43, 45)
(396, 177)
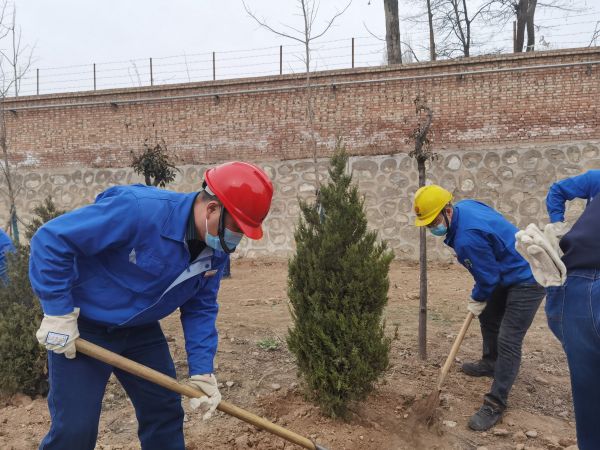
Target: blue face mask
(439, 230)
(231, 238)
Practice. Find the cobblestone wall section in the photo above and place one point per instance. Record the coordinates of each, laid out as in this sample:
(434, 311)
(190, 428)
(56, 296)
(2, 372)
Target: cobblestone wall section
(514, 181)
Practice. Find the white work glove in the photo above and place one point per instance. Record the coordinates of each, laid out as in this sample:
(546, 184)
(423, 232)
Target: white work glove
(554, 233)
(209, 402)
(58, 333)
(476, 307)
(546, 265)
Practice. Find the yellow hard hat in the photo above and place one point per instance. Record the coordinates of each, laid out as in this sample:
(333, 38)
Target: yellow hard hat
(429, 202)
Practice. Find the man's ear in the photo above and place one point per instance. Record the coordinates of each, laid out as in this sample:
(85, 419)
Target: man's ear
(212, 207)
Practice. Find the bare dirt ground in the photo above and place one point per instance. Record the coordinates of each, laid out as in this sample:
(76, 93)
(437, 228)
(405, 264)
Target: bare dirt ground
(254, 307)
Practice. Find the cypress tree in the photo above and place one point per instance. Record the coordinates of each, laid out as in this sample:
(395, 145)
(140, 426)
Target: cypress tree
(337, 285)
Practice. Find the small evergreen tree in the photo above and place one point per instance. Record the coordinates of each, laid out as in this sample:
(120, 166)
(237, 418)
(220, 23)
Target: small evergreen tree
(337, 285)
(22, 359)
(44, 212)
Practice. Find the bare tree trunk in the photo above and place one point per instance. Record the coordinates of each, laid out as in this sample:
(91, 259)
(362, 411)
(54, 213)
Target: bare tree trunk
(521, 22)
(392, 32)
(467, 43)
(530, 25)
(461, 34)
(432, 54)
(310, 112)
(422, 276)
(13, 225)
(15, 49)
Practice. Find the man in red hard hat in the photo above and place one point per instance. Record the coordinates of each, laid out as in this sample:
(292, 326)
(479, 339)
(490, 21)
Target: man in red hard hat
(108, 272)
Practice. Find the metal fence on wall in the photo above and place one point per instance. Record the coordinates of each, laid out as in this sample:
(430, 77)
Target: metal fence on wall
(365, 51)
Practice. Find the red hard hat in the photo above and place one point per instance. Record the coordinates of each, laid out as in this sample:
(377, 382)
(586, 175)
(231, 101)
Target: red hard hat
(245, 191)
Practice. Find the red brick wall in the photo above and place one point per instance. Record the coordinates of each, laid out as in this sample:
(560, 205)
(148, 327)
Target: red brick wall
(472, 110)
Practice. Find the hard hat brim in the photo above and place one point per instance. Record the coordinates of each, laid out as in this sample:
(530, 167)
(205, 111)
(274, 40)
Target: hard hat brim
(254, 233)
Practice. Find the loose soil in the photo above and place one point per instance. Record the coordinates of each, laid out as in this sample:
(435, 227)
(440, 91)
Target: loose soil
(254, 308)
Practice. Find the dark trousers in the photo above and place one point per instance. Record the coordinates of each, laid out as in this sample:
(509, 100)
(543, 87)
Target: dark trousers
(504, 323)
(77, 387)
(573, 312)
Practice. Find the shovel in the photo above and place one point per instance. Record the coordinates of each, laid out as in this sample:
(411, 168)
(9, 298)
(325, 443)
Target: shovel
(425, 409)
(134, 368)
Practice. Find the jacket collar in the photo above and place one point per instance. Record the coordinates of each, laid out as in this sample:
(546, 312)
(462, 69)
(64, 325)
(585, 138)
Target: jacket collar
(453, 227)
(175, 224)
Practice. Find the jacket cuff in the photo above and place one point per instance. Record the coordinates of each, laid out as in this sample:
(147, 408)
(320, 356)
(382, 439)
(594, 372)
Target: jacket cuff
(59, 307)
(557, 218)
(200, 369)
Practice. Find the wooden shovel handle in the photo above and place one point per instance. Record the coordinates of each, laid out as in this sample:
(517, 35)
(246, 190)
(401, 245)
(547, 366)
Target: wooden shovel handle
(172, 384)
(454, 350)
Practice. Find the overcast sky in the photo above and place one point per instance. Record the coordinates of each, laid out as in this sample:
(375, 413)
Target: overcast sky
(81, 32)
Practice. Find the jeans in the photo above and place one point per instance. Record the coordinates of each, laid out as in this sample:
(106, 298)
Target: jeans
(504, 323)
(77, 387)
(573, 312)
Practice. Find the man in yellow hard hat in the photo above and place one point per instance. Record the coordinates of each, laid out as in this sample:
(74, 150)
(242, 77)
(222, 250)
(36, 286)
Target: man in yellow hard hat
(505, 296)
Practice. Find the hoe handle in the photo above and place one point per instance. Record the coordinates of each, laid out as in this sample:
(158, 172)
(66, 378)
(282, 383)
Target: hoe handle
(454, 350)
(172, 384)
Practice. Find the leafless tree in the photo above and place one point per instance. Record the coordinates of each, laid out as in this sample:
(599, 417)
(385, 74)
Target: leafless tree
(522, 12)
(14, 64)
(306, 35)
(595, 35)
(454, 21)
(392, 32)
(408, 54)
(422, 138)
(432, 53)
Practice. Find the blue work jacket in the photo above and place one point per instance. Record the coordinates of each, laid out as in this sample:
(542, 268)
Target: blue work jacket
(6, 246)
(585, 186)
(124, 262)
(484, 242)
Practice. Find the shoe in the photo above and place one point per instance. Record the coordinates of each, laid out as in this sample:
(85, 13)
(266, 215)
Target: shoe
(488, 415)
(481, 368)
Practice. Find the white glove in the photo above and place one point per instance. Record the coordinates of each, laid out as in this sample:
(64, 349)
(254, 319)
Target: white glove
(554, 233)
(546, 265)
(58, 333)
(209, 402)
(476, 307)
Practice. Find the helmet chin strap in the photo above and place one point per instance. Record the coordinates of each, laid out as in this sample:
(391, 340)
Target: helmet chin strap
(226, 249)
(445, 216)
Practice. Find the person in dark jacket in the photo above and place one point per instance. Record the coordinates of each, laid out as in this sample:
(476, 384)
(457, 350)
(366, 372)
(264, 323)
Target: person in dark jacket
(573, 298)
(109, 271)
(505, 296)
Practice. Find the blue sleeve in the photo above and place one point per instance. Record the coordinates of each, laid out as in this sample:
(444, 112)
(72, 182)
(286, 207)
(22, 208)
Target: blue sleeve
(476, 253)
(198, 318)
(110, 222)
(6, 246)
(585, 186)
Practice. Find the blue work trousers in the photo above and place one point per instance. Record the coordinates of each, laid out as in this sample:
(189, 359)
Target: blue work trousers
(77, 387)
(573, 312)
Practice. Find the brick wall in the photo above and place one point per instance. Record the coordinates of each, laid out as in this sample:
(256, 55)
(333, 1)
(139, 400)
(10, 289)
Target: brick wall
(479, 103)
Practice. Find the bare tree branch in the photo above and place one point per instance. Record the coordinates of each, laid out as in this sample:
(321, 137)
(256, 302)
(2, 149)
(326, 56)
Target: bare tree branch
(264, 24)
(595, 35)
(331, 21)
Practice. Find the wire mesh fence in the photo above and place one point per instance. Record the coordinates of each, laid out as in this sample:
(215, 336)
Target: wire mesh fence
(363, 51)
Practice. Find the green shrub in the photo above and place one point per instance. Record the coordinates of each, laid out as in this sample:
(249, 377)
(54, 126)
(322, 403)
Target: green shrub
(22, 359)
(268, 344)
(337, 285)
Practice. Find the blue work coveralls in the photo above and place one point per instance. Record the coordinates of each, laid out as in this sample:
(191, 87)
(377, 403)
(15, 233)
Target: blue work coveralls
(585, 186)
(6, 246)
(484, 242)
(125, 263)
